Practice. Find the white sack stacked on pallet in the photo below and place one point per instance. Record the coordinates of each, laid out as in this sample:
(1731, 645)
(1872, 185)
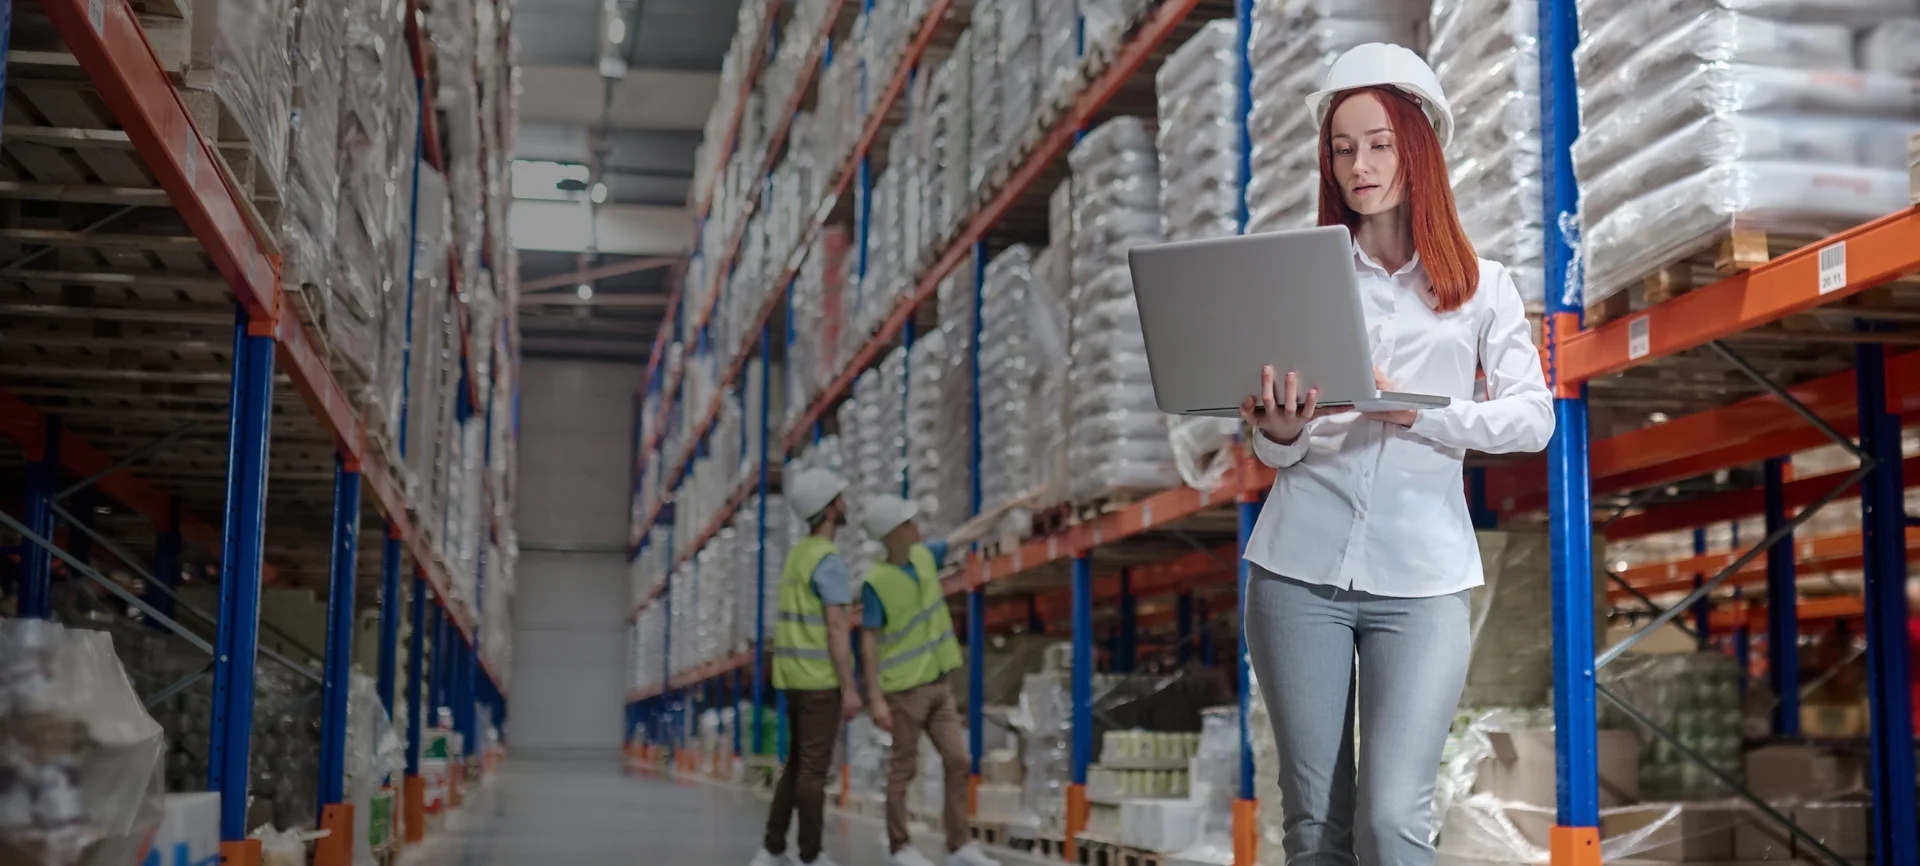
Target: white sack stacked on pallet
(649, 638)
(711, 157)
(799, 36)
(434, 344)
(1107, 22)
(1198, 141)
(1059, 25)
(1291, 48)
(1052, 285)
(877, 291)
(1020, 72)
(955, 299)
(364, 229)
(986, 136)
(1739, 116)
(837, 114)
(1119, 443)
(926, 366)
(1486, 53)
(1022, 343)
(948, 138)
(650, 566)
(740, 299)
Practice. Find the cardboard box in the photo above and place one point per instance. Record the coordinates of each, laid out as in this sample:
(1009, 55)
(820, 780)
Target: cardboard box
(1801, 773)
(1677, 832)
(1842, 827)
(1834, 721)
(1521, 770)
(1759, 839)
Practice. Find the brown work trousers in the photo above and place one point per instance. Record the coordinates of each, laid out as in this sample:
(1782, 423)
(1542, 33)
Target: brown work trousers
(929, 708)
(813, 725)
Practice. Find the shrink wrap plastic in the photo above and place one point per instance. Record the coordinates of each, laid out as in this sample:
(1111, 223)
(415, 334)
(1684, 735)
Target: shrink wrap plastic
(1119, 441)
(1739, 116)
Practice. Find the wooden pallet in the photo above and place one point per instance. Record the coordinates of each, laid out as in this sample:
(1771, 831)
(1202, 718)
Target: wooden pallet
(1141, 857)
(248, 168)
(1051, 846)
(1713, 259)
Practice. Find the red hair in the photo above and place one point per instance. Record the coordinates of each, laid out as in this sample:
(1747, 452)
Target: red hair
(1443, 246)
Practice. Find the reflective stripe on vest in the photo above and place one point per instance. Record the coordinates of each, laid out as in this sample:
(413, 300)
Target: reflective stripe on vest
(918, 645)
(800, 659)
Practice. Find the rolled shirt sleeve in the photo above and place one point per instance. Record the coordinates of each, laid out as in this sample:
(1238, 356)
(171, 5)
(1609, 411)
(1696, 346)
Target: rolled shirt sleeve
(1280, 456)
(873, 617)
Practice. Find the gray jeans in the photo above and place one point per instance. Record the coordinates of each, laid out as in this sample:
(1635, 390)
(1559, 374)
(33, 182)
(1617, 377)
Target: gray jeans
(1303, 640)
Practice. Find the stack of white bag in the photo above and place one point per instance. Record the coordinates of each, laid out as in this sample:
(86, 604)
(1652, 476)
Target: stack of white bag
(649, 636)
(944, 159)
(1291, 48)
(953, 474)
(1020, 70)
(1199, 146)
(981, 43)
(926, 367)
(1486, 54)
(748, 558)
(1119, 441)
(1105, 22)
(818, 299)
(1059, 49)
(1738, 116)
(1023, 342)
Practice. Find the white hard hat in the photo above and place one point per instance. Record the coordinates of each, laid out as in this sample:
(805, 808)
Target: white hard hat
(883, 514)
(1378, 64)
(812, 490)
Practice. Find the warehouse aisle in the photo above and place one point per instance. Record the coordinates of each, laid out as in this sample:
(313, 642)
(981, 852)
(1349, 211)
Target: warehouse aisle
(590, 814)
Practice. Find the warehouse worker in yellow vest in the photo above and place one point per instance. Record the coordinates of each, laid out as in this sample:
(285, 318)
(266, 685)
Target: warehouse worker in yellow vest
(908, 641)
(813, 664)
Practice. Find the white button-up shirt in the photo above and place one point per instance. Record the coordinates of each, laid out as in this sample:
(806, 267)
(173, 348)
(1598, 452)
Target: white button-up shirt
(1381, 508)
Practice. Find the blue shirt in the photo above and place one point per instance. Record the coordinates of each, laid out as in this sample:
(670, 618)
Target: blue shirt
(872, 614)
(832, 581)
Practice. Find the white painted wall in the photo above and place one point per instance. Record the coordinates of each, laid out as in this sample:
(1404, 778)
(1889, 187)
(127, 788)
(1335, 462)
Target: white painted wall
(570, 608)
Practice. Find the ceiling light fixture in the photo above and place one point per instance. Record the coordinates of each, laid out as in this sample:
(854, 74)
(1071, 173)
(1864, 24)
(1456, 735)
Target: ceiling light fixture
(585, 292)
(617, 31)
(599, 193)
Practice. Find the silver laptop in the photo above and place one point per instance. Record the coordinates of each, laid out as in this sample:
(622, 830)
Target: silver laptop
(1215, 311)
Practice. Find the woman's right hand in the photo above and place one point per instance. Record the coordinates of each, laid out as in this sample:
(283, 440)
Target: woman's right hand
(1276, 411)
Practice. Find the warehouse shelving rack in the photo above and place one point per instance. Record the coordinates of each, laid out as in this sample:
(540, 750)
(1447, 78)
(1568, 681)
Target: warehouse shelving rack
(160, 316)
(1187, 541)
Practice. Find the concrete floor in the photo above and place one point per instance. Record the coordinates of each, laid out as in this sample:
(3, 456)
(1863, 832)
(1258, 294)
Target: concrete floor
(589, 813)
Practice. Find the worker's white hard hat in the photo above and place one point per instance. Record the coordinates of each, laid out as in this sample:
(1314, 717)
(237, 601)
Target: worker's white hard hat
(1377, 64)
(812, 490)
(883, 514)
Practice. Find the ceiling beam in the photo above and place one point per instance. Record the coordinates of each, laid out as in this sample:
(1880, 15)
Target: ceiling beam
(598, 272)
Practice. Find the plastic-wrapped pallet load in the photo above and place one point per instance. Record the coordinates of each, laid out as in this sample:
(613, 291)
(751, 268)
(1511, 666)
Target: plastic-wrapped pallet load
(1198, 140)
(1291, 47)
(240, 75)
(1737, 117)
(80, 759)
(313, 161)
(1486, 54)
(1059, 25)
(954, 443)
(948, 138)
(1020, 71)
(818, 302)
(837, 114)
(986, 137)
(1022, 349)
(1119, 443)
(926, 366)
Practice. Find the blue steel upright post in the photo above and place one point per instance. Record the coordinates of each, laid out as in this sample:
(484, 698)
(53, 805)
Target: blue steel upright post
(1576, 835)
(1884, 523)
(339, 660)
(390, 564)
(1783, 615)
(413, 792)
(1244, 833)
(43, 480)
(249, 429)
(1081, 689)
(976, 595)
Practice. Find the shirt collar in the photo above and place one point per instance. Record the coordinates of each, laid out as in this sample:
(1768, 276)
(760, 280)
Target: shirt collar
(1367, 261)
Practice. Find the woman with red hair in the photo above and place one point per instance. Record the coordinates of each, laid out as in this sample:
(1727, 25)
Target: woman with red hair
(1364, 551)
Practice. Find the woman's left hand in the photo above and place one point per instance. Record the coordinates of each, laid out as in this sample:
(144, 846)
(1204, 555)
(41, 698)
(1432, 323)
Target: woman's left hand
(1402, 417)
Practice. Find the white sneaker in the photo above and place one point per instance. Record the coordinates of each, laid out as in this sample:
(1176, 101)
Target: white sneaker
(766, 858)
(970, 855)
(822, 860)
(909, 856)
